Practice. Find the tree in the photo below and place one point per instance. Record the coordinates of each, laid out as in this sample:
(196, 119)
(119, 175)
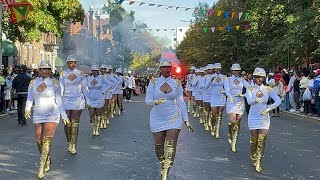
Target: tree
(46, 16)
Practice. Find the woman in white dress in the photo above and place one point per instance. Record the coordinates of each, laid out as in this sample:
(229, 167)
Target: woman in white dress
(45, 93)
(169, 110)
(118, 90)
(199, 84)
(218, 99)
(104, 118)
(207, 97)
(235, 103)
(97, 89)
(74, 97)
(190, 78)
(259, 118)
(7, 91)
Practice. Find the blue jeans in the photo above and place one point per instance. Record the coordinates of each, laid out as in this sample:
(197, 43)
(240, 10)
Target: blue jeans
(318, 104)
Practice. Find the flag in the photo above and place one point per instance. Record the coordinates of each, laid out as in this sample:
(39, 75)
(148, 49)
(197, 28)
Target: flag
(187, 9)
(152, 4)
(8, 2)
(19, 11)
(213, 29)
(121, 1)
(228, 28)
(205, 30)
(159, 5)
(233, 14)
(227, 14)
(247, 15)
(211, 11)
(219, 13)
(240, 15)
(237, 27)
(142, 3)
(131, 2)
(134, 30)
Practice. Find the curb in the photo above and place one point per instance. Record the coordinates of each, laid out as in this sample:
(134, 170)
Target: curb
(302, 115)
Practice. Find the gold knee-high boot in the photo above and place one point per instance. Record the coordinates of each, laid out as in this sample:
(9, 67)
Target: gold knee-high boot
(213, 124)
(253, 148)
(67, 131)
(74, 135)
(92, 120)
(112, 110)
(193, 107)
(260, 151)
(45, 150)
(218, 125)
(200, 114)
(47, 166)
(206, 120)
(209, 120)
(169, 158)
(97, 127)
(195, 114)
(188, 107)
(230, 127)
(159, 149)
(235, 134)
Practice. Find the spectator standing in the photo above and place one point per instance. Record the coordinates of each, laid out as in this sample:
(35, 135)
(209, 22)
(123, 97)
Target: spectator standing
(20, 85)
(130, 86)
(7, 91)
(297, 92)
(291, 91)
(277, 86)
(315, 92)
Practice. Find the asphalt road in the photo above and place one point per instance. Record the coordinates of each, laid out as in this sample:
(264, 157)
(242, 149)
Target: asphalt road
(125, 151)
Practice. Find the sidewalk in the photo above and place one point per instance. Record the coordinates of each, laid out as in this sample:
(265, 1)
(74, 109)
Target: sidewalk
(301, 115)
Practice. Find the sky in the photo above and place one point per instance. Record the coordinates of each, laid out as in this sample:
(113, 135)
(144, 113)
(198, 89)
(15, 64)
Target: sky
(154, 17)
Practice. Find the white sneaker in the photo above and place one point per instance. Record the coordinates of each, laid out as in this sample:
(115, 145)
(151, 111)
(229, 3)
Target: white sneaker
(292, 110)
(130, 100)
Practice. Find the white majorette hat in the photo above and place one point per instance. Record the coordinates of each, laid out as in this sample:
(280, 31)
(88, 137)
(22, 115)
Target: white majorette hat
(217, 66)
(193, 68)
(71, 57)
(109, 67)
(197, 70)
(165, 62)
(271, 74)
(119, 70)
(209, 66)
(95, 67)
(202, 69)
(259, 72)
(129, 72)
(44, 64)
(103, 66)
(235, 67)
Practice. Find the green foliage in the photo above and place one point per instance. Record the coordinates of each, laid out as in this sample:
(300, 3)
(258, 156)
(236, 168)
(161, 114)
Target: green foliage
(140, 62)
(46, 16)
(281, 33)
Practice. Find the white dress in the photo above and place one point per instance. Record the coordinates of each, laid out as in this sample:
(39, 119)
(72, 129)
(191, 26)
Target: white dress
(118, 87)
(110, 78)
(97, 87)
(218, 99)
(47, 104)
(173, 111)
(74, 91)
(233, 87)
(190, 79)
(255, 119)
(116, 77)
(207, 89)
(199, 85)
(7, 90)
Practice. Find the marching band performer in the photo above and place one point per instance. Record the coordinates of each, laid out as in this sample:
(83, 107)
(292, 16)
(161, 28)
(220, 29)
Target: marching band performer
(259, 118)
(235, 103)
(199, 89)
(165, 94)
(45, 93)
(113, 100)
(190, 78)
(74, 97)
(119, 90)
(104, 118)
(96, 98)
(218, 99)
(110, 97)
(207, 97)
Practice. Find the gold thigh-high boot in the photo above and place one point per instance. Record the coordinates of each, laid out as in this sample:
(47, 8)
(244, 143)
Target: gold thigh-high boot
(218, 125)
(67, 131)
(112, 110)
(170, 154)
(47, 166)
(230, 127)
(45, 151)
(253, 148)
(159, 149)
(235, 134)
(213, 124)
(200, 114)
(195, 114)
(97, 127)
(193, 107)
(188, 107)
(260, 151)
(209, 120)
(92, 120)
(74, 135)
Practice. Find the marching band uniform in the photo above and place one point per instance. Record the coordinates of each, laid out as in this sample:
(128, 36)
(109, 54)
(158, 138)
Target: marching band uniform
(259, 118)
(190, 79)
(118, 89)
(207, 98)
(218, 99)
(74, 97)
(235, 103)
(96, 97)
(45, 94)
(109, 77)
(168, 112)
(198, 92)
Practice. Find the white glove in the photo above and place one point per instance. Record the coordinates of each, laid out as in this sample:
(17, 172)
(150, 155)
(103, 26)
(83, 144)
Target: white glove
(66, 121)
(264, 112)
(27, 114)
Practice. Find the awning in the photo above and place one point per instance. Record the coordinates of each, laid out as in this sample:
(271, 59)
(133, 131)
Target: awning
(9, 49)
